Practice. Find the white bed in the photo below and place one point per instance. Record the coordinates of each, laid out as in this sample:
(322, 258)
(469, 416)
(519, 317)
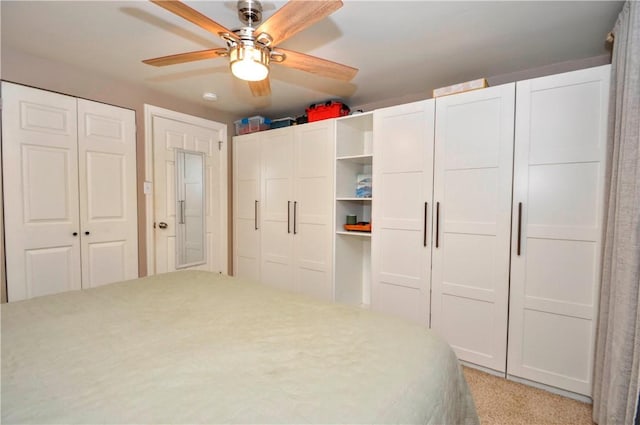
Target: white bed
(197, 347)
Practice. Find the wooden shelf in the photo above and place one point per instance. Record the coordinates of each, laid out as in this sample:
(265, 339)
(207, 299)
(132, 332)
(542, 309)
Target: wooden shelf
(345, 232)
(366, 159)
(353, 199)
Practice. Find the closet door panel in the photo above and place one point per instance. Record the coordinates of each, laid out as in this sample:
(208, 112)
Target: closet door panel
(472, 192)
(276, 257)
(40, 175)
(246, 198)
(401, 210)
(108, 199)
(313, 212)
(561, 125)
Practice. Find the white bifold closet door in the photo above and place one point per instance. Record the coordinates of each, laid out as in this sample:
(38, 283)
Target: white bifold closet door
(108, 202)
(472, 195)
(402, 209)
(560, 146)
(69, 192)
(246, 207)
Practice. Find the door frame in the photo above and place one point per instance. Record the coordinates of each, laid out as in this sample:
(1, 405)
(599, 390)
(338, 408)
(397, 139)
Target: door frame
(150, 112)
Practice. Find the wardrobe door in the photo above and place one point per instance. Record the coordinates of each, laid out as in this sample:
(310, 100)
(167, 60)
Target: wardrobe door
(108, 199)
(472, 195)
(561, 126)
(312, 217)
(276, 208)
(401, 210)
(40, 176)
(246, 207)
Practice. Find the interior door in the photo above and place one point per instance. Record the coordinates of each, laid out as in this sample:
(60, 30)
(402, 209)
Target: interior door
(472, 195)
(561, 128)
(108, 201)
(169, 135)
(246, 208)
(276, 209)
(40, 175)
(402, 205)
(312, 209)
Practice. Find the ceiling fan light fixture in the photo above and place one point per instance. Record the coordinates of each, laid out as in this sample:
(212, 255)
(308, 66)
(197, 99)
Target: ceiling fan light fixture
(249, 63)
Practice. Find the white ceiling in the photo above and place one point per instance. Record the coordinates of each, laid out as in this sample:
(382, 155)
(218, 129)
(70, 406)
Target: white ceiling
(400, 47)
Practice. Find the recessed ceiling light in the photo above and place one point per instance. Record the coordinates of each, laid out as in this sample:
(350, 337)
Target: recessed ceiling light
(211, 97)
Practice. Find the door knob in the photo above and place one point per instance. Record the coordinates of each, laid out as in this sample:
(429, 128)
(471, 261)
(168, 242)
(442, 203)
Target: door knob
(163, 225)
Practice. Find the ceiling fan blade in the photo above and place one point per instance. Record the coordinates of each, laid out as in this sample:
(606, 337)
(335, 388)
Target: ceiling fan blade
(260, 88)
(186, 57)
(315, 65)
(295, 16)
(195, 17)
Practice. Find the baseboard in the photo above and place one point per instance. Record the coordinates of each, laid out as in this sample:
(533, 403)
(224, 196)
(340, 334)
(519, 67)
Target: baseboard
(554, 390)
(483, 369)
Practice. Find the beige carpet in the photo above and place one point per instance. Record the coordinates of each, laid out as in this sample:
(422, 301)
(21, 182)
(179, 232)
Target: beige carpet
(499, 401)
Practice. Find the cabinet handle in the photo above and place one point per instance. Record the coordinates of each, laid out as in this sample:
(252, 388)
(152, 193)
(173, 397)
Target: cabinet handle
(519, 227)
(295, 218)
(182, 212)
(288, 216)
(255, 214)
(87, 233)
(426, 208)
(437, 224)
(75, 233)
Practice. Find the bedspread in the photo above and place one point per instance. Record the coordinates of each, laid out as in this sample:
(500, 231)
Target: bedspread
(198, 347)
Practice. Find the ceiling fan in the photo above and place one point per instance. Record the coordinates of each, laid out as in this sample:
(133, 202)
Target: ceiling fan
(252, 48)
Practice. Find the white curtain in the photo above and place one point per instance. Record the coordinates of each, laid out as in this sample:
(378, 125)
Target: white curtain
(617, 363)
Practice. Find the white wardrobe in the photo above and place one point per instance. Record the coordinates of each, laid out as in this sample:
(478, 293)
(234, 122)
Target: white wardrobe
(283, 216)
(486, 216)
(69, 173)
(514, 222)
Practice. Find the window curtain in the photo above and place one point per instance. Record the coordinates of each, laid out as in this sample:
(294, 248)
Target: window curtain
(617, 361)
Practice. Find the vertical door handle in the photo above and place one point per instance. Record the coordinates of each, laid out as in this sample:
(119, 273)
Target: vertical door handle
(424, 235)
(519, 227)
(182, 212)
(255, 214)
(288, 216)
(295, 218)
(437, 224)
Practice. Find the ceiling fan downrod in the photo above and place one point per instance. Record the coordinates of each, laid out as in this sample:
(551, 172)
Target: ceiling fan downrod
(250, 12)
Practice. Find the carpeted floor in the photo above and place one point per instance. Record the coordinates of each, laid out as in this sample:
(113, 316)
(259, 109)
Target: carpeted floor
(499, 401)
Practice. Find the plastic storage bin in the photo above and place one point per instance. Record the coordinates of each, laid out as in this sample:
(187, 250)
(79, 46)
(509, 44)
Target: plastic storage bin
(252, 124)
(323, 111)
(282, 122)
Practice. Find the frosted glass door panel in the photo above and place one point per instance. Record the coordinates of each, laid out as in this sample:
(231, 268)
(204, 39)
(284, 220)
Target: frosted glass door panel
(40, 175)
(561, 125)
(402, 208)
(190, 194)
(472, 196)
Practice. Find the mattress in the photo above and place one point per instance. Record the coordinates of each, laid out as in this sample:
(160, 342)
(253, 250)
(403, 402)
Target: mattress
(198, 347)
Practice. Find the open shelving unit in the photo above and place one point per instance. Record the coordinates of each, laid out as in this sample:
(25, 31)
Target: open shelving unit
(354, 156)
